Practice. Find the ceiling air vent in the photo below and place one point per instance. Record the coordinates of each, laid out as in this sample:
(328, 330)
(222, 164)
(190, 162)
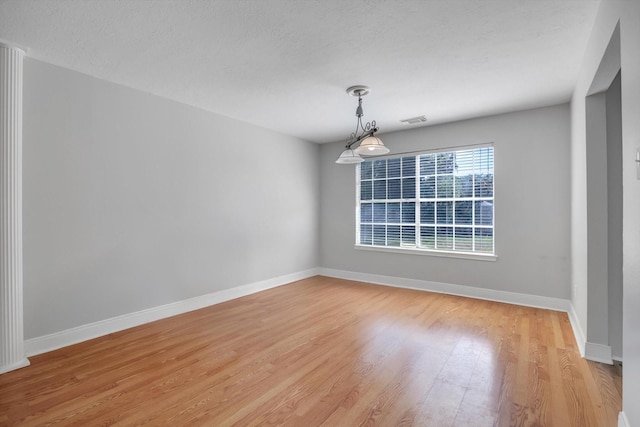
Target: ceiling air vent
(414, 120)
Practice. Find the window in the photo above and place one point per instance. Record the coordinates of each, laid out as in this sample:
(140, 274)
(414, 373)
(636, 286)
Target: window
(433, 201)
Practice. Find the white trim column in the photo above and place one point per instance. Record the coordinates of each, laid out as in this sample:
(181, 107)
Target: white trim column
(12, 355)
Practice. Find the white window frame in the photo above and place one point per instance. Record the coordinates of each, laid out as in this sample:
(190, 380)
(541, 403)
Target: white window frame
(417, 249)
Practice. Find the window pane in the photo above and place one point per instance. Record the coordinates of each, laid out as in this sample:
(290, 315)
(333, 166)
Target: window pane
(408, 188)
(445, 186)
(366, 212)
(379, 212)
(408, 166)
(427, 211)
(444, 239)
(409, 212)
(484, 239)
(427, 237)
(464, 212)
(366, 191)
(393, 168)
(484, 213)
(380, 189)
(444, 213)
(484, 185)
(464, 238)
(366, 234)
(445, 162)
(464, 186)
(366, 170)
(408, 235)
(394, 189)
(483, 160)
(428, 187)
(483, 165)
(428, 164)
(464, 162)
(393, 235)
(379, 235)
(393, 213)
(379, 168)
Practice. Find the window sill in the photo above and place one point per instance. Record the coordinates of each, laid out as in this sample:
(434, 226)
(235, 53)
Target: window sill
(463, 255)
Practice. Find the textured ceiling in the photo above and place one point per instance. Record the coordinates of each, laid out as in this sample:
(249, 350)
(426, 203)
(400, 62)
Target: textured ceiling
(285, 64)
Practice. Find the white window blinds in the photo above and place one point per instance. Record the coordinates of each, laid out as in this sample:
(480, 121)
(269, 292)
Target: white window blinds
(434, 201)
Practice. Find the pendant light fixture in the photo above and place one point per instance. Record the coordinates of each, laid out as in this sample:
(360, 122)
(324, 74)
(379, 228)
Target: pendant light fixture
(364, 136)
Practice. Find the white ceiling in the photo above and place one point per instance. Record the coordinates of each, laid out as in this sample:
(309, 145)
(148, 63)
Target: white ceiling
(285, 64)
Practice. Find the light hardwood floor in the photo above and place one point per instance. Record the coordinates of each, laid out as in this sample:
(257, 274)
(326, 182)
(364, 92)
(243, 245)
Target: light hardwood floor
(324, 352)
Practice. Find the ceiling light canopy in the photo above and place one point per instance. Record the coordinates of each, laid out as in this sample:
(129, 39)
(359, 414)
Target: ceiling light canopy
(364, 136)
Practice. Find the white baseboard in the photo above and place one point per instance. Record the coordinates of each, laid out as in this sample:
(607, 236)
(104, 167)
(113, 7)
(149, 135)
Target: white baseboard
(78, 334)
(622, 420)
(578, 333)
(14, 366)
(527, 300)
(588, 350)
(591, 351)
(598, 352)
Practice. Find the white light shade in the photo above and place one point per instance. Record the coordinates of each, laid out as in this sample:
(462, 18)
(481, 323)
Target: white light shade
(372, 146)
(349, 156)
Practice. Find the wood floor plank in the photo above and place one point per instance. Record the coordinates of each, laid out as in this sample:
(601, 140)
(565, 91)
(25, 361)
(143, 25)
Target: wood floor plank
(324, 351)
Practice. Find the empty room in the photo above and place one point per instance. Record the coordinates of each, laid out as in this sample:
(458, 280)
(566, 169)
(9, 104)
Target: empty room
(320, 213)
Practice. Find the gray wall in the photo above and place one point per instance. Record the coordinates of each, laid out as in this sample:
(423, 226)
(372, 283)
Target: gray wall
(133, 201)
(531, 207)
